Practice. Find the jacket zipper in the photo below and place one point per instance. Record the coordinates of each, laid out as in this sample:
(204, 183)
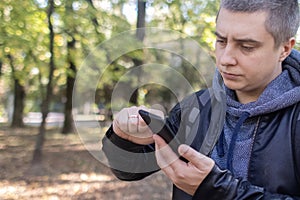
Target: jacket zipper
(252, 143)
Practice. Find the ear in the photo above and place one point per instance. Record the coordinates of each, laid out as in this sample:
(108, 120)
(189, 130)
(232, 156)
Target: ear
(287, 48)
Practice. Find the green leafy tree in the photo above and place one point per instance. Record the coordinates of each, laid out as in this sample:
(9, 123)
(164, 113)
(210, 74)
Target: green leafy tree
(37, 155)
(18, 39)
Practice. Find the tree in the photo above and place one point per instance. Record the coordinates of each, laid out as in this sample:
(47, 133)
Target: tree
(19, 97)
(79, 26)
(68, 126)
(70, 31)
(140, 35)
(37, 155)
(17, 41)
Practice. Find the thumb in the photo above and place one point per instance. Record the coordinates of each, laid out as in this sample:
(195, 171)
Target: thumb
(199, 160)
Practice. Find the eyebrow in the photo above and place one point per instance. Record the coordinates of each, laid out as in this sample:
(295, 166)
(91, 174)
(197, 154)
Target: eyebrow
(219, 35)
(244, 40)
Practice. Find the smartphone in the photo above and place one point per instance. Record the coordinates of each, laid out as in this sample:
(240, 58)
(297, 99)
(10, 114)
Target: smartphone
(159, 126)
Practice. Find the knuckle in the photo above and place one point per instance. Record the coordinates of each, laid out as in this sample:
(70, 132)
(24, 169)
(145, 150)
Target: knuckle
(122, 125)
(133, 108)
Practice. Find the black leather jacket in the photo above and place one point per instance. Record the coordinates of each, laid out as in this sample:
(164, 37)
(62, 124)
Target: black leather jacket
(274, 168)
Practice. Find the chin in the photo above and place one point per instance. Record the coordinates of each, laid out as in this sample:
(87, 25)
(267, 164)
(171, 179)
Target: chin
(230, 85)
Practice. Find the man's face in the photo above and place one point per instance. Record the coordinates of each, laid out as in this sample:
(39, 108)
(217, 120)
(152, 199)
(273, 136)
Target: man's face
(245, 53)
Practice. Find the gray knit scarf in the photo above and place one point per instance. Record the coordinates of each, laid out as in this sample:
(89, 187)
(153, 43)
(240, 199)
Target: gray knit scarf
(234, 146)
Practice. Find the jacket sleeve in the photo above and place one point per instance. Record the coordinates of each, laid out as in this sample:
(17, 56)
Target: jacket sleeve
(127, 160)
(130, 161)
(221, 184)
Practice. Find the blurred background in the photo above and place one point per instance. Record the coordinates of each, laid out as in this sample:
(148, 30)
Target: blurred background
(42, 46)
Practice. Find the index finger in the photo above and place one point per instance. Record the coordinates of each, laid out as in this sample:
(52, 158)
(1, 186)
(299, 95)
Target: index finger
(165, 156)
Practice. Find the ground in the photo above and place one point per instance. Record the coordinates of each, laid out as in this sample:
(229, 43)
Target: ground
(68, 171)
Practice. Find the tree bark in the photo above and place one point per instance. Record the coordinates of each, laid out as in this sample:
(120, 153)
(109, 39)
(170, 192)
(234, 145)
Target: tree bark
(37, 154)
(1, 65)
(19, 98)
(141, 19)
(140, 35)
(69, 122)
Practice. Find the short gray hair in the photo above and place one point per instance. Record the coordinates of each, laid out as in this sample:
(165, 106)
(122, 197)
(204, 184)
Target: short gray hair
(283, 15)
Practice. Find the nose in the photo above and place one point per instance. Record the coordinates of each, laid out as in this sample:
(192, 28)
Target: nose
(228, 56)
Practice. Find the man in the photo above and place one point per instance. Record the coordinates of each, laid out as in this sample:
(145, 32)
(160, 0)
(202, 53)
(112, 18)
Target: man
(257, 154)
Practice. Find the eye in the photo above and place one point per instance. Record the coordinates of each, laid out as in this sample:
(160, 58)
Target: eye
(221, 42)
(247, 48)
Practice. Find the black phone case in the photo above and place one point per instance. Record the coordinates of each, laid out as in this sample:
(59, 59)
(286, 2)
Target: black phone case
(158, 126)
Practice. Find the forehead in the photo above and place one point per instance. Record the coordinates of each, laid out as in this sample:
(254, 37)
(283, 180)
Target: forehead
(242, 24)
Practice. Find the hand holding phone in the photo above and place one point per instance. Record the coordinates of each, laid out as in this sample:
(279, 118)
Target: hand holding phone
(159, 126)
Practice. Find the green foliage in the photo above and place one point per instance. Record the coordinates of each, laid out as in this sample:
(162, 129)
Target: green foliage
(24, 36)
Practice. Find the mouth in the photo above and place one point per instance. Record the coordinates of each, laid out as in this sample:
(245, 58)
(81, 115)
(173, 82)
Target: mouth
(230, 76)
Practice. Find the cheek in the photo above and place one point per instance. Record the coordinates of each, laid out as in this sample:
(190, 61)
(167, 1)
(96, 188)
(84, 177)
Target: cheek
(218, 56)
(254, 69)
(259, 71)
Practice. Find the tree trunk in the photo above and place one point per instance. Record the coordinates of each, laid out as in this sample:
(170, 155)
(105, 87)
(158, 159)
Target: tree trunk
(19, 98)
(141, 19)
(69, 122)
(37, 154)
(40, 140)
(1, 65)
(140, 35)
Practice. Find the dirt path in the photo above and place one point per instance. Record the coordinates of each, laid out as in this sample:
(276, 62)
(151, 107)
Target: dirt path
(68, 171)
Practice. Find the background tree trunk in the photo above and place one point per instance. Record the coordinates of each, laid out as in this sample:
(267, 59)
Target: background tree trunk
(37, 154)
(140, 35)
(141, 19)
(1, 65)
(19, 98)
(69, 122)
